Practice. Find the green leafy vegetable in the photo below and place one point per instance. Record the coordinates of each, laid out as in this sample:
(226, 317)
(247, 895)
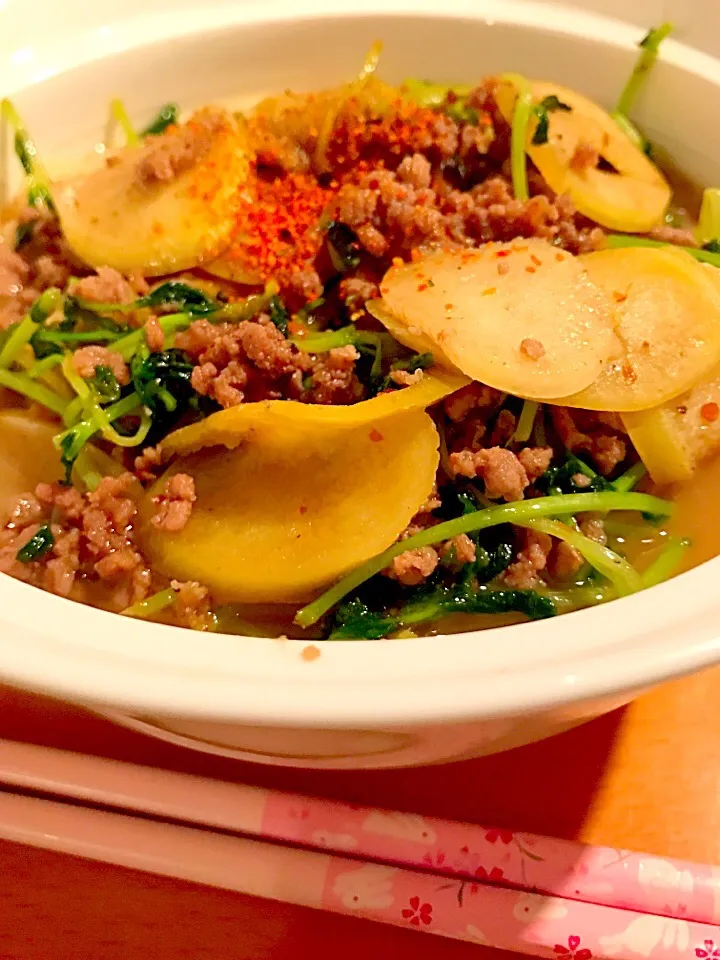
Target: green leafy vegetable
(708, 228)
(179, 296)
(418, 361)
(452, 100)
(561, 479)
(279, 315)
(518, 512)
(355, 620)
(649, 47)
(522, 115)
(38, 182)
(343, 246)
(162, 378)
(24, 233)
(630, 479)
(37, 546)
(526, 421)
(167, 116)
(543, 111)
(105, 384)
(26, 386)
(120, 115)
(22, 333)
(152, 606)
(667, 563)
(607, 562)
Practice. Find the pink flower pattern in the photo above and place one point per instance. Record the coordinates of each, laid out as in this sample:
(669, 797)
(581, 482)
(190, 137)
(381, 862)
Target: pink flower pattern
(708, 951)
(504, 836)
(571, 952)
(418, 913)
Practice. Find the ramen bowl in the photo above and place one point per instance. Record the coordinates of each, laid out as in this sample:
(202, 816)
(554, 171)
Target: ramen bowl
(348, 704)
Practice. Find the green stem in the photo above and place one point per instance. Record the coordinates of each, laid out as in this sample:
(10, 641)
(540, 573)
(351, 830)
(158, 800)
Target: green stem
(41, 367)
(127, 345)
(23, 384)
(328, 340)
(518, 512)
(667, 563)
(120, 115)
(611, 565)
(152, 606)
(618, 240)
(518, 136)
(20, 337)
(526, 421)
(648, 55)
(631, 478)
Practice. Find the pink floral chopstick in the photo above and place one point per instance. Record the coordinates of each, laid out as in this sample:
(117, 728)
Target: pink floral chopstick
(601, 875)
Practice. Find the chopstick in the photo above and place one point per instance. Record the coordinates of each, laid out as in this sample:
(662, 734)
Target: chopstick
(600, 875)
(512, 920)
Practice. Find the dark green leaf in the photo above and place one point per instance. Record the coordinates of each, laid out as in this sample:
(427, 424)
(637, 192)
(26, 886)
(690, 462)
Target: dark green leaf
(561, 479)
(162, 380)
(24, 233)
(543, 111)
(165, 118)
(37, 546)
(279, 315)
(343, 246)
(713, 246)
(179, 296)
(418, 361)
(105, 384)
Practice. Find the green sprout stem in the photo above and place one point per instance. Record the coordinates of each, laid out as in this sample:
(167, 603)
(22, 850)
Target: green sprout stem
(522, 115)
(667, 563)
(152, 606)
(648, 55)
(28, 387)
(120, 116)
(519, 512)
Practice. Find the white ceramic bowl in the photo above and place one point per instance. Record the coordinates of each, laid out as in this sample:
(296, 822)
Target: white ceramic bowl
(387, 703)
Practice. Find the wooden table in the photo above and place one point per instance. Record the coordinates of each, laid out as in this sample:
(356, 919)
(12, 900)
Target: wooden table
(646, 777)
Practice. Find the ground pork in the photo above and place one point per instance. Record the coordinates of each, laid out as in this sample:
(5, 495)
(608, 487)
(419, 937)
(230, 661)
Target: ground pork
(250, 360)
(532, 349)
(565, 561)
(356, 291)
(472, 397)
(503, 473)
(178, 149)
(532, 558)
(535, 461)
(333, 377)
(174, 504)
(106, 286)
(154, 335)
(148, 463)
(94, 549)
(192, 604)
(588, 432)
(414, 566)
(458, 551)
(86, 360)
(392, 216)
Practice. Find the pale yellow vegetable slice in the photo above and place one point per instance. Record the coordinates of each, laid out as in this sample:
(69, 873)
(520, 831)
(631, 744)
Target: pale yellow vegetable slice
(27, 456)
(631, 196)
(522, 317)
(674, 439)
(122, 217)
(299, 500)
(229, 427)
(669, 322)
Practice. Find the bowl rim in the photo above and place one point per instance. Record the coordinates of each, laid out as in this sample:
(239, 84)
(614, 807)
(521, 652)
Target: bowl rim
(84, 654)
